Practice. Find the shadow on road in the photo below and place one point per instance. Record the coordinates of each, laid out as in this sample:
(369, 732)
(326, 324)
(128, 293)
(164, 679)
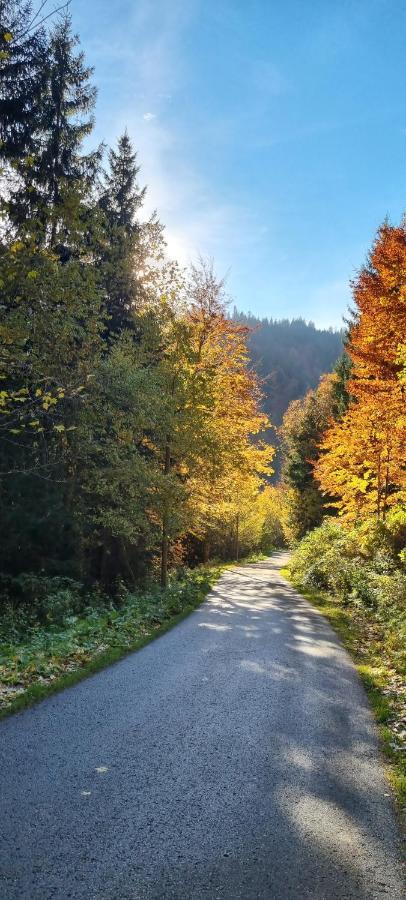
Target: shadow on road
(233, 758)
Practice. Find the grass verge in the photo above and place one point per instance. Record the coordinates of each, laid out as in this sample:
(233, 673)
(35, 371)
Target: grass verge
(49, 658)
(384, 687)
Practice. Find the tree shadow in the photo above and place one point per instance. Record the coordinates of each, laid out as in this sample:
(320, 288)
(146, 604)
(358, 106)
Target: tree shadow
(234, 758)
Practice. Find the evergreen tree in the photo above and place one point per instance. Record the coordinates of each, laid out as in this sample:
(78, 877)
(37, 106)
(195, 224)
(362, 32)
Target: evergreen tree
(22, 78)
(302, 429)
(50, 312)
(341, 395)
(56, 168)
(122, 197)
(120, 201)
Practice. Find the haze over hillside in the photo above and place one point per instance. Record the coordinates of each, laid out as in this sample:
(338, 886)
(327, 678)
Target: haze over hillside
(290, 356)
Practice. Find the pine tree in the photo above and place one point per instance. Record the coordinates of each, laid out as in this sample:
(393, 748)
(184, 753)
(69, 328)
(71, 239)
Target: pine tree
(57, 175)
(22, 77)
(122, 197)
(51, 304)
(303, 425)
(341, 394)
(120, 201)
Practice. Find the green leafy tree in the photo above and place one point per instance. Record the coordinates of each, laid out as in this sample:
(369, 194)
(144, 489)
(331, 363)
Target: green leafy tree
(48, 351)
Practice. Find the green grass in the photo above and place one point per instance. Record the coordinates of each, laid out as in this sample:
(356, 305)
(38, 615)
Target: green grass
(375, 668)
(50, 658)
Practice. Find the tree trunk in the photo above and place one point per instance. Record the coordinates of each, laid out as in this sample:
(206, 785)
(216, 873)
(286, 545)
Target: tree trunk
(379, 486)
(386, 490)
(165, 539)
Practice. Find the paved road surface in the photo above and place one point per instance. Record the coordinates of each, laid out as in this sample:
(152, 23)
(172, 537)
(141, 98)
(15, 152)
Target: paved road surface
(234, 757)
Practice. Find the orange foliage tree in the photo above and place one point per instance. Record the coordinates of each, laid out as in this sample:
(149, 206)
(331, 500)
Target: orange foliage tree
(363, 458)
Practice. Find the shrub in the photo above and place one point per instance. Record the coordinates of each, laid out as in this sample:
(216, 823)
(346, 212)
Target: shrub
(362, 567)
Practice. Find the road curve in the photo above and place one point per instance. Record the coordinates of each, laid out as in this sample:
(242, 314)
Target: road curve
(234, 757)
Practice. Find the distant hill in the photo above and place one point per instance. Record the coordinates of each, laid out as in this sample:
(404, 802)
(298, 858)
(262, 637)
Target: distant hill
(290, 356)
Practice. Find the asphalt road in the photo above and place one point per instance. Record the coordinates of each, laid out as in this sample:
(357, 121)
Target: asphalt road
(234, 757)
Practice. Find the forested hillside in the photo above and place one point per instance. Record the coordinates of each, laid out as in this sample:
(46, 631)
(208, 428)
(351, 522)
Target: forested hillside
(290, 357)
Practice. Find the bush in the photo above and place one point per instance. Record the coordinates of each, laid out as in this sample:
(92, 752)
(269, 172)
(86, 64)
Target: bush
(362, 567)
(347, 561)
(29, 600)
(320, 559)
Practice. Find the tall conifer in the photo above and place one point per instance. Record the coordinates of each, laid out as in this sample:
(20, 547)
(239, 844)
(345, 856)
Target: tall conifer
(120, 201)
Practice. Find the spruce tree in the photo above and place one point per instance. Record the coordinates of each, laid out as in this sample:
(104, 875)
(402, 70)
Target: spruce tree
(120, 201)
(22, 77)
(51, 303)
(57, 175)
(67, 114)
(341, 394)
(122, 197)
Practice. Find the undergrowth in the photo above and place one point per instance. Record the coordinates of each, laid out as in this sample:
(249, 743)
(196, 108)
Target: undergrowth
(40, 656)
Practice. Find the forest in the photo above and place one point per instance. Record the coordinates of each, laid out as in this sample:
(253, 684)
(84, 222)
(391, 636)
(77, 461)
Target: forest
(140, 419)
(289, 357)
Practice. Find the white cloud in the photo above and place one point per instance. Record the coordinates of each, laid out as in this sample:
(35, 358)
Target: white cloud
(149, 116)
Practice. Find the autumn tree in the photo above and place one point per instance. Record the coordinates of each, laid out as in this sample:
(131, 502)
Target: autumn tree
(230, 473)
(363, 463)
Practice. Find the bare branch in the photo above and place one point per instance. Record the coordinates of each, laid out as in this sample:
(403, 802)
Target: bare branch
(63, 7)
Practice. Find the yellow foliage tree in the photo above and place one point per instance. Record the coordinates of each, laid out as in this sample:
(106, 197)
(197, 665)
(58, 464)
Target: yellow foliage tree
(215, 445)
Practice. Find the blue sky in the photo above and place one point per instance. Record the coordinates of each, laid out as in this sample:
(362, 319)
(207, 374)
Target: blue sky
(272, 135)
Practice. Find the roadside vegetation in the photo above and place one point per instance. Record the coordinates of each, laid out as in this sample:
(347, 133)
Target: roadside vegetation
(343, 491)
(356, 579)
(54, 632)
(60, 633)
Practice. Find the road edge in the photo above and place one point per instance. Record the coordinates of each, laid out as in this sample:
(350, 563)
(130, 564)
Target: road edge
(344, 626)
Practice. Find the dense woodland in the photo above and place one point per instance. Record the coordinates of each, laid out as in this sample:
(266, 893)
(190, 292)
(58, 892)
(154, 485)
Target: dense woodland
(137, 428)
(131, 419)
